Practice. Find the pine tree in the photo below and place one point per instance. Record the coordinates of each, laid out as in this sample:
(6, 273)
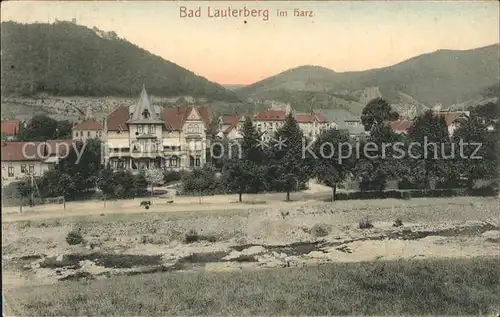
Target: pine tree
(288, 168)
(246, 173)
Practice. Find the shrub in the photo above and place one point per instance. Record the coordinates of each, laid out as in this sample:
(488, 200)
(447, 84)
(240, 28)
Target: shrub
(320, 230)
(365, 224)
(192, 236)
(398, 223)
(171, 176)
(74, 237)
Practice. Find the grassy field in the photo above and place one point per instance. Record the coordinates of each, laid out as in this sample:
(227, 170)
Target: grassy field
(418, 287)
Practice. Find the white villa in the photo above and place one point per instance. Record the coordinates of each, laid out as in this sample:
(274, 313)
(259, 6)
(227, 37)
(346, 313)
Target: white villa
(147, 136)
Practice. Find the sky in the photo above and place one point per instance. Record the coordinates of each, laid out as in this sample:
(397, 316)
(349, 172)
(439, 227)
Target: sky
(343, 36)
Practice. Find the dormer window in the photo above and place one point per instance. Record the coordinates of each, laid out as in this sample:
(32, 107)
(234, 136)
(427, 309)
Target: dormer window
(145, 114)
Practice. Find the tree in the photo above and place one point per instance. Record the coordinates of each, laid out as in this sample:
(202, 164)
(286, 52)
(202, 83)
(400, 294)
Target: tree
(376, 112)
(241, 176)
(154, 176)
(430, 132)
(484, 163)
(42, 128)
(333, 162)
(288, 169)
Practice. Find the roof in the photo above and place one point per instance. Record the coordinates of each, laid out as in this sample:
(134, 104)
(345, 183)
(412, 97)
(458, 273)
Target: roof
(271, 115)
(22, 151)
(117, 120)
(144, 112)
(34, 151)
(310, 117)
(58, 147)
(175, 118)
(89, 124)
(400, 125)
(229, 119)
(10, 127)
(232, 121)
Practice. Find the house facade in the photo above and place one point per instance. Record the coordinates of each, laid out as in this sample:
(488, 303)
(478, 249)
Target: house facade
(143, 136)
(230, 127)
(22, 159)
(89, 128)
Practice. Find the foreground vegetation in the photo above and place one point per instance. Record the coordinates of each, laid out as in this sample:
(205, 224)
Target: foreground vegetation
(434, 287)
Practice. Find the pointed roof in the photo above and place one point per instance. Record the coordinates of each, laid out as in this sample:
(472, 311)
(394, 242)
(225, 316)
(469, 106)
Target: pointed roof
(144, 112)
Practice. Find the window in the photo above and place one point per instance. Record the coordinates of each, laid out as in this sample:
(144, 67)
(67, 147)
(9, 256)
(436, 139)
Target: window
(193, 128)
(23, 168)
(31, 168)
(153, 147)
(145, 114)
(174, 161)
(11, 171)
(147, 129)
(139, 128)
(152, 129)
(88, 134)
(197, 161)
(191, 161)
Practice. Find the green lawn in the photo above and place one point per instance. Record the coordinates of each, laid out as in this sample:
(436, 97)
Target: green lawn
(423, 287)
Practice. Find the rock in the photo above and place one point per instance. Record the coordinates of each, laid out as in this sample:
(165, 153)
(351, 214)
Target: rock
(492, 235)
(231, 256)
(257, 249)
(316, 254)
(60, 258)
(283, 255)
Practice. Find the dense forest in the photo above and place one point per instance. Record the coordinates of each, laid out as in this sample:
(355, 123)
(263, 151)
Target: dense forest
(66, 59)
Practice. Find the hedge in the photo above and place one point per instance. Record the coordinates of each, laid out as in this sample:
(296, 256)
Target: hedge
(407, 194)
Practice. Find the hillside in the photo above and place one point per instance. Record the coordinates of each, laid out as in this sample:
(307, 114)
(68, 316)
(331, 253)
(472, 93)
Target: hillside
(65, 59)
(444, 77)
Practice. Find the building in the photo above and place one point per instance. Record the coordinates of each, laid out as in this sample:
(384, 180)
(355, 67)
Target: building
(230, 127)
(269, 121)
(144, 136)
(21, 159)
(10, 129)
(400, 126)
(453, 119)
(89, 128)
(343, 120)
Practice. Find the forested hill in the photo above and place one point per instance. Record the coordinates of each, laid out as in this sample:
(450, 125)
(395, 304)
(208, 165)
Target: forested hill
(66, 59)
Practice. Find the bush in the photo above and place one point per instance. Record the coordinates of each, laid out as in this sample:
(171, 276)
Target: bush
(192, 236)
(365, 224)
(320, 230)
(74, 237)
(171, 176)
(398, 223)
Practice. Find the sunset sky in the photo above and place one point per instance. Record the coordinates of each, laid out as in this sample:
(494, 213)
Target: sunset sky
(343, 36)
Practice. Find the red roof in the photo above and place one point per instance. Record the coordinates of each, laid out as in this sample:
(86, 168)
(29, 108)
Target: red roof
(174, 118)
(89, 124)
(308, 118)
(22, 151)
(34, 151)
(272, 115)
(117, 119)
(230, 119)
(10, 127)
(400, 125)
(58, 147)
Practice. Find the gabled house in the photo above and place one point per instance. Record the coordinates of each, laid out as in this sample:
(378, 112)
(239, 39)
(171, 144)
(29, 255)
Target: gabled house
(144, 136)
(230, 127)
(21, 159)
